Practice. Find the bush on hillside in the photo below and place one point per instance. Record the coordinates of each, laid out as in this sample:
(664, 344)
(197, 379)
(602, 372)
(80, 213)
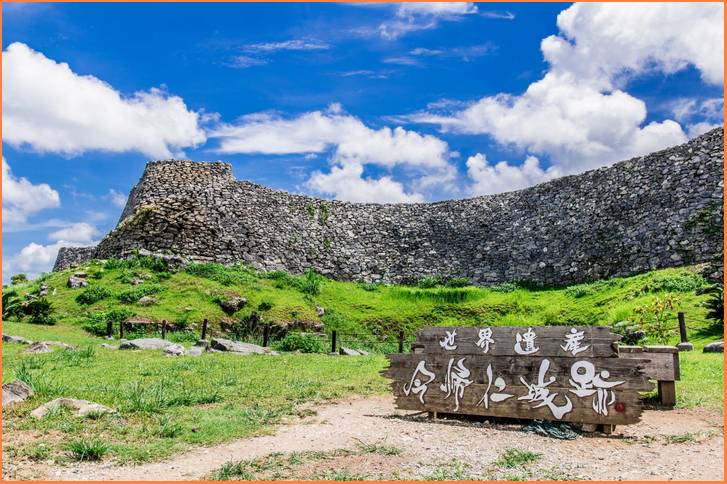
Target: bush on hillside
(505, 287)
(687, 282)
(429, 282)
(92, 295)
(18, 279)
(95, 323)
(458, 282)
(225, 275)
(300, 342)
(133, 295)
(40, 311)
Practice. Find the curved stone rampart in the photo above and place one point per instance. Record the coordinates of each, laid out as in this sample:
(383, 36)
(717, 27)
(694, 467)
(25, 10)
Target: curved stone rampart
(660, 210)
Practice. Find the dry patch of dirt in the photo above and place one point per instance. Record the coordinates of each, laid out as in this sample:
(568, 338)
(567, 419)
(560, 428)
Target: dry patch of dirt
(343, 438)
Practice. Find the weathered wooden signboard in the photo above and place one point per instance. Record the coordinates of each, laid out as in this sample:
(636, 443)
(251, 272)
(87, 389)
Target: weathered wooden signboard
(558, 373)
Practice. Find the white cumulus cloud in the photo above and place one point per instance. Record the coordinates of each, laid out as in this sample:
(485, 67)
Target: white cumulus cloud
(50, 108)
(21, 198)
(81, 232)
(579, 114)
(118, 199)
(488, 179)
(352, 145)
(34, 258)
(346, 182)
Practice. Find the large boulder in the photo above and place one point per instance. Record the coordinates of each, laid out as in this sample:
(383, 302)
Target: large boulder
(174, 350)
(716, 347)
(76, 282)
(145, 344)
(194, 351)
(16, 339)
(221, 344)
(351, 352)
(81, 408)
(47, 347)
(15, 392)
(233, 304)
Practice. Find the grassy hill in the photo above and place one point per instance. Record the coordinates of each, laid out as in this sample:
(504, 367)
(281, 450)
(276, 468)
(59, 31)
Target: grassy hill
(167, 404)
(365, 311)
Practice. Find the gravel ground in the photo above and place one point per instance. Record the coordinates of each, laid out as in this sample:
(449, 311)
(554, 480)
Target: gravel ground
(665, 445)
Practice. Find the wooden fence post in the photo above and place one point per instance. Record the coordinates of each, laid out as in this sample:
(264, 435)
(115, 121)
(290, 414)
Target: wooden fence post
(121, 329)
(684, 345)
(204, 329)
(401, 341)
(164, 329)
(682, 327)
(109, 329)
(266, 335)
(333, 341)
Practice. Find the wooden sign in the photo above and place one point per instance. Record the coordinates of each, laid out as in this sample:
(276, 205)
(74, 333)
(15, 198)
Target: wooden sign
(559, 373)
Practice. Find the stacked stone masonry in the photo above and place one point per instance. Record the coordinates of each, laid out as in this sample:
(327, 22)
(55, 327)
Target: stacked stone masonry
(660, 210)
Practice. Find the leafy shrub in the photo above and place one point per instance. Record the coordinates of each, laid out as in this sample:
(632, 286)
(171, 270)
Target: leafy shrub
(630, 332)
(95, 323)
(368, 286)
(300, 342)
(676, 283)
(88, 450)
(505, 287)
(265, 306)
(12, 305)
(183, 336)
(656, 319)
(310, 283)
(429, 282)
(458, 282)
(439, 295)
(133, 295)
(40, 311)
(225, 275)
(18, 279)
(92, 295)
(580, 290)
(154, 264)
(715, 303)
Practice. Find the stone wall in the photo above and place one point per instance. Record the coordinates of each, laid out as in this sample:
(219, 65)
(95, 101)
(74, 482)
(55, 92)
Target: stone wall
(659, 210)
(73, 256)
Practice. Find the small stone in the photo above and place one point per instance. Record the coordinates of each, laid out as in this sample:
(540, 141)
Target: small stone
(320, 311)
(233, 304)
(221, 344)
(145, 344)
(716, 347)
(146, 301)
(685, 346)
(174, 350)
(349, 351)
(47, 347)
(15, 392)
(43, 289)
(16, 339)
(81, 408)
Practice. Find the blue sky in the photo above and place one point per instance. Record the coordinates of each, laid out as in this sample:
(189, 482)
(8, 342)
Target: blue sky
(382, 103)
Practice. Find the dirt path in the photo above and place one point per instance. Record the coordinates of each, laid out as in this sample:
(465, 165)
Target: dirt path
(678, 444)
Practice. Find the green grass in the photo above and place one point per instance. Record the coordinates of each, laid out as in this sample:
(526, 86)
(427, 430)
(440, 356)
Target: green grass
(88, 449)
(368, 310)
(514, 457)
(292, 466)
(168, 404)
